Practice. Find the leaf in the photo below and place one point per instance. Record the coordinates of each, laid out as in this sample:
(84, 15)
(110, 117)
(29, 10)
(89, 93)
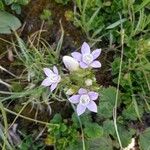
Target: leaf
(144, 140)
(108, 127)
(107, 102)
(57, 119)
(129, 113)
(93, 130)
(8, 22)
(1, 5)
(125, 135)
(116, 23)
(103, 143)
(142, 5)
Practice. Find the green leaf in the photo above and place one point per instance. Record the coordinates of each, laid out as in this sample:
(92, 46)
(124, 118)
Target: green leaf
(125, 135)
(144, 140)
(1, 5)
(142, 5)
(63, 127)
(8, 2)
(116, 24)
(130, 113)
(107, 102)
(16, 8)
(108, 127)
(103, 143)
(93, 130)
(8, 22)
(56, 119)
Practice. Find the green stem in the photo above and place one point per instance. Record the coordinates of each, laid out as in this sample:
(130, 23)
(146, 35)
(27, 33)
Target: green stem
(83, 140)
(117, 92)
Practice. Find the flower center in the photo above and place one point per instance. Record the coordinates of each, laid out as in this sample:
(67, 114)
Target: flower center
(54, 78)
(87, 58)
(84, 99)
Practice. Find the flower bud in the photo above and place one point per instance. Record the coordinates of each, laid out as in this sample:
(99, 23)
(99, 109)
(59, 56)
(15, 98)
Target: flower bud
(70, 91)
(88, 82)
(70, 63)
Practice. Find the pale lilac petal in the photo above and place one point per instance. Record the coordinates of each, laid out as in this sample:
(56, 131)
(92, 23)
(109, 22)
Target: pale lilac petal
(53, 86)
(55, 70)
(80, 109)
(76, 55)
(96, 53)
(48, 71)
(85, 48)
(82, 91)
(74, 99)
(93, 95)
(92, 106)
(83, 65)
(95, 64)
(46, 82)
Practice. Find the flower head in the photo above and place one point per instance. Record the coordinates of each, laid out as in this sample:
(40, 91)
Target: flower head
(86, 58)
(70, 63)
(52, 79)
(84, 99)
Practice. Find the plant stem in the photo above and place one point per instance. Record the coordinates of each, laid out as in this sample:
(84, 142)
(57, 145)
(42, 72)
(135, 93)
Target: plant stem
(117, 92)
(83, 140)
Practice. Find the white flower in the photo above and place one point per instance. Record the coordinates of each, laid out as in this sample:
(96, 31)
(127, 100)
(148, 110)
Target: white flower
(88, 82)
(70, 63)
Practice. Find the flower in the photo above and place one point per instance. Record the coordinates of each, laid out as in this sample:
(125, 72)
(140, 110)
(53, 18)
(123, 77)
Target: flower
(52, 79)
(70, 63)
(86, 58)
(84, 99)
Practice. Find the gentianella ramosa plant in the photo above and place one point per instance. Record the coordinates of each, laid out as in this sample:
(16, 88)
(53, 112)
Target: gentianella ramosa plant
(80, 83)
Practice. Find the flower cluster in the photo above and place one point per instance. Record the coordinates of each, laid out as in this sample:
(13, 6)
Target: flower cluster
(86, 59)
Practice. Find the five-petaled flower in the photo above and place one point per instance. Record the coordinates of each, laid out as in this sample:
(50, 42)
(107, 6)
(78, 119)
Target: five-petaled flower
(52, 79)
(84, 99)
(86, 58)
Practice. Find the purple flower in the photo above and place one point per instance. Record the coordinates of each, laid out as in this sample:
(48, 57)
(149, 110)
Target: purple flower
(52, 79)
(84, 99)
(86, 58)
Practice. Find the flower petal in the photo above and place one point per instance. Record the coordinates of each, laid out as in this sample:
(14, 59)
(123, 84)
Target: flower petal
(53, 86)
(82, 91)
(74, 99)
(83, 65)
(92, 106)
(55, 70)
(70, 63)
(80, 109)
(93, 95)
(96, 53)
(48, 71)
(76, 55)
(46, 82)
(95, 64)
(85, 48)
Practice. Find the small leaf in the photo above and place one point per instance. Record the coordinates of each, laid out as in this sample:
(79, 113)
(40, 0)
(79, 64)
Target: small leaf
(93, 130)
(107, 102)
(56, 119)
(8, 22)
(116, 23)
(108, 127)
(103, 143)
(144, 140)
